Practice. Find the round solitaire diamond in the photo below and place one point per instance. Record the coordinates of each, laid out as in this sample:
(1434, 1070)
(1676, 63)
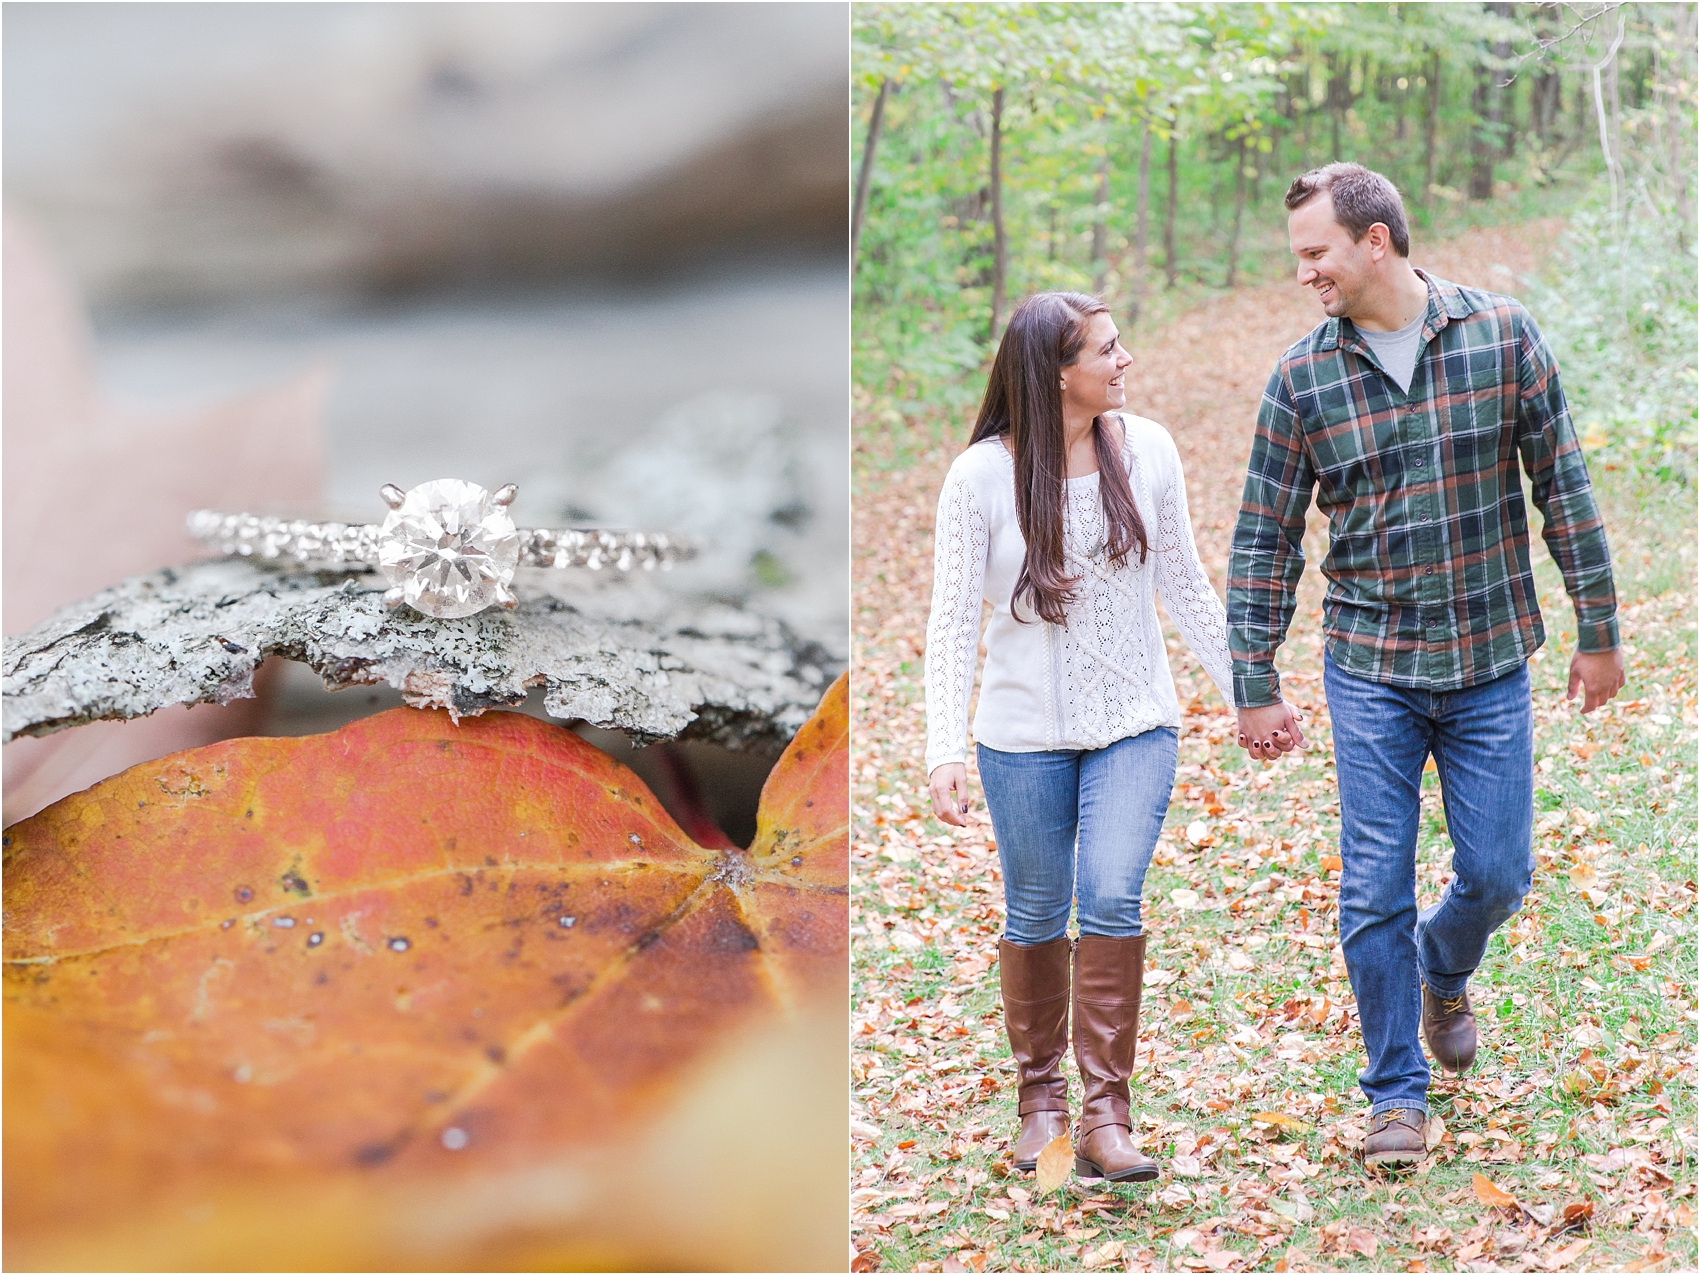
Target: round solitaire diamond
(450, 548)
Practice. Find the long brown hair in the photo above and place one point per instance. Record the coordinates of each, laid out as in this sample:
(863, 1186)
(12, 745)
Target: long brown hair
(1024, 401)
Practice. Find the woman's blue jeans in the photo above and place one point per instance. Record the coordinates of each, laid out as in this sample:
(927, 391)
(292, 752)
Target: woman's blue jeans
(1482, 740)
(1078, 824)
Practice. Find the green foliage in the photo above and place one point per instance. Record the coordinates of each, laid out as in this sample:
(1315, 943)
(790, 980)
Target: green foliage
(1621, 317)
(1451, 101)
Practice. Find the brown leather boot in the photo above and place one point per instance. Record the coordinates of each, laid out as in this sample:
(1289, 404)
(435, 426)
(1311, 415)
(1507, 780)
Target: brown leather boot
(1395, 1140)
(1108, 976)
(1449, 1027)
(1035, 1014)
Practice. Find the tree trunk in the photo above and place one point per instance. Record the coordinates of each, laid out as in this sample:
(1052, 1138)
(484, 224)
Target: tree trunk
(1505, 96)
(1679, 135)
(1141, 225)
(1431, 130)
(1609, 145)
(1483, 141)
(1000, 248)
(1491, 139)
(1101, 227)
(1614, 95)
(1239, 214)
(1541, 112)
(1340, 100)
(864, 173)
(1169, 210)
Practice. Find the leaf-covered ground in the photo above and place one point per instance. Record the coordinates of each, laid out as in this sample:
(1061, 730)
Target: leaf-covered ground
(1571, 1145)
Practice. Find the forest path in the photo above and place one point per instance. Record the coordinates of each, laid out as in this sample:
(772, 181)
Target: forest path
(1247, 1008)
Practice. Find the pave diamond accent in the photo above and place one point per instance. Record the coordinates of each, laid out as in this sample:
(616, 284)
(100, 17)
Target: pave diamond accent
(445, 546)
(449, 548)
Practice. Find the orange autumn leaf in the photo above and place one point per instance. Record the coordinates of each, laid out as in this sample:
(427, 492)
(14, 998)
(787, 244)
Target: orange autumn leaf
(1281, 1120)
(409, 995)
(1056, 1161)
(1488, 1193)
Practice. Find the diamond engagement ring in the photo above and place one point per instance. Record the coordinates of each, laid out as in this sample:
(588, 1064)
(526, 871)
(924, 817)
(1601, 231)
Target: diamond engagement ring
(448, 548)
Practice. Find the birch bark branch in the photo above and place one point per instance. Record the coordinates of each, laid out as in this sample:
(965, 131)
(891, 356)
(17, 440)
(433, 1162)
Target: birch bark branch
(622, 654)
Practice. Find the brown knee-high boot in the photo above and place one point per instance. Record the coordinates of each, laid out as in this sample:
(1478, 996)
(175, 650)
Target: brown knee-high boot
(1108, 975)
(1035, 1014)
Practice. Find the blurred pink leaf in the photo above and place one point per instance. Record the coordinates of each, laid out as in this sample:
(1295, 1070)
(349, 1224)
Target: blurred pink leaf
(93, 494)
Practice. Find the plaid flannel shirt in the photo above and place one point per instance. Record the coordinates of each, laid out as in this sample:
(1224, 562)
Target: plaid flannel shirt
(1429, 584)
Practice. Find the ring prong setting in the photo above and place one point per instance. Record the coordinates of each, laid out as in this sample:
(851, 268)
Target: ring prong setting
(505, 598)
(394, 597)
(504, 495)
(393, 495)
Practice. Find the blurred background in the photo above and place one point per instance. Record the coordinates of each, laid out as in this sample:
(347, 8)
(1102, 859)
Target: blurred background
(1143, 152)
(272, 256)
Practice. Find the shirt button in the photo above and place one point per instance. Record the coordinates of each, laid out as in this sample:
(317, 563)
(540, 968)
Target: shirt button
(1428, 571)
(1432, 623)
(1419, 462)
(1425, 517)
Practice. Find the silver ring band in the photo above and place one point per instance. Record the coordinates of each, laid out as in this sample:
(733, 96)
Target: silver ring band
(343, 544)
(448, 547)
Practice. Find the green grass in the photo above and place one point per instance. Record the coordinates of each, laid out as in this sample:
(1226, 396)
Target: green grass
(1588, 1039)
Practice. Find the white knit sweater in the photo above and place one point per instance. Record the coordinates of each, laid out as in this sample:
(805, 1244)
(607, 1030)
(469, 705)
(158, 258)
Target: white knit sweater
(1102, 676)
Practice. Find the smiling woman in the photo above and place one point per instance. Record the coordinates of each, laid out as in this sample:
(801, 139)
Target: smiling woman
(1067, 515)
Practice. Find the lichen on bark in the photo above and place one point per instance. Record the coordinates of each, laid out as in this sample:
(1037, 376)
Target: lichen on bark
(621, 653)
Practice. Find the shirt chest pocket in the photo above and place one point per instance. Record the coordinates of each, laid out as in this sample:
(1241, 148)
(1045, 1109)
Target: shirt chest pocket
(1478, 413)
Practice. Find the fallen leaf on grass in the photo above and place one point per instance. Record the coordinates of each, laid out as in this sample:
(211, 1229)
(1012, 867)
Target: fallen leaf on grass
(450, 992)
(1280, 1120)
(1329, 863)
(1652, 1256)
(1102, 1255)
(1433, 1132)
(1180, 1010)
(1566, 1255)
(1488, 1193)
(1055, 1163)
(1577, 1214)
(1296, 1210)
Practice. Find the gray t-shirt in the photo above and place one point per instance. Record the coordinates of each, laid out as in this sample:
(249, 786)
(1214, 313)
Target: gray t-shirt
(1397, 350)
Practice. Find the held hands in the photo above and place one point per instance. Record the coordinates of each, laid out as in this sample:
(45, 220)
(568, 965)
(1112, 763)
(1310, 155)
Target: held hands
(948, 785)
(1599, 674)
(1269, 731)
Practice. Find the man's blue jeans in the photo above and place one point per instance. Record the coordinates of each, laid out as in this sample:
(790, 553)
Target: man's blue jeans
(1482, 740)
(1078, 823)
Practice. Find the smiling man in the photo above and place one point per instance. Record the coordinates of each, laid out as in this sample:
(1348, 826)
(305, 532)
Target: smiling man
(1406, 413)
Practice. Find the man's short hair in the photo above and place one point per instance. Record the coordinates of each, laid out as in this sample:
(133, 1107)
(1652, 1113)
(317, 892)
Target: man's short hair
(1361, 198)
